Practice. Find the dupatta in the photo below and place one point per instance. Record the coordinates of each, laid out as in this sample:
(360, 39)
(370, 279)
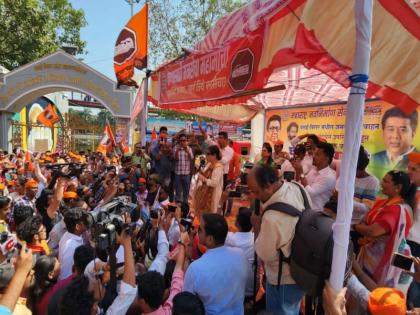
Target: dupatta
(376, 255)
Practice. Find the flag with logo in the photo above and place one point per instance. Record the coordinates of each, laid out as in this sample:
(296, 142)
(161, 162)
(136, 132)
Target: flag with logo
(131, 47)
(48, 117)
(107, 142)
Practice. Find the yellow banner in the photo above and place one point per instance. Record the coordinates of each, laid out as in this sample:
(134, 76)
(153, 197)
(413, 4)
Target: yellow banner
(388, 134)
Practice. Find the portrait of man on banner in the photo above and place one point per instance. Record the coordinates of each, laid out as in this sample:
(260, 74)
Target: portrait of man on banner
(273, 129)
(398, 132)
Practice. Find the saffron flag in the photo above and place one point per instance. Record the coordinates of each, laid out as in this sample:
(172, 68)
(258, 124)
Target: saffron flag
(154, 135)
(138, 103)
(124, 146)
(48, 117)
(107, 142)
(131, 47)
(28, 160)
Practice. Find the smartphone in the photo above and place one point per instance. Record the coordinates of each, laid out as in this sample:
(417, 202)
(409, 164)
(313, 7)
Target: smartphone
(402, 261)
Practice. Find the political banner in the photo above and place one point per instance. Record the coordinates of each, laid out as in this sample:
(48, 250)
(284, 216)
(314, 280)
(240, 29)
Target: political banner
(210, 76)
(389, 134)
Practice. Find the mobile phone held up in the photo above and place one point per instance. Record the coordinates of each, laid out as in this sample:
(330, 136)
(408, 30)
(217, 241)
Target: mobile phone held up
(402, 261)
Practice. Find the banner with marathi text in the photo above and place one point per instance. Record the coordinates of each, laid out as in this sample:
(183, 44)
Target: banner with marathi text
(388, 134)
(211, 76)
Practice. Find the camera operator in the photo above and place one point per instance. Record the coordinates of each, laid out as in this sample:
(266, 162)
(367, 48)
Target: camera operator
(86, 292)
(140, 159)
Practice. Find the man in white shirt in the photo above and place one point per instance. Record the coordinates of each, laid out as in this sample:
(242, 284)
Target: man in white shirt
(320, 181)
(225, 150)
(244, 240)
(76, 226)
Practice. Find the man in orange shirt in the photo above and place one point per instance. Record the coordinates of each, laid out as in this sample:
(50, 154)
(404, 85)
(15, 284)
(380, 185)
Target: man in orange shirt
(234, 165)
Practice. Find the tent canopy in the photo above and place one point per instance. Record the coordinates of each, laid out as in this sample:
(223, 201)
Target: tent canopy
(306, 45)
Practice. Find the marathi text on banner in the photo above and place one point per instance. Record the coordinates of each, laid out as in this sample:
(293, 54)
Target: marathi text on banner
(388, 134)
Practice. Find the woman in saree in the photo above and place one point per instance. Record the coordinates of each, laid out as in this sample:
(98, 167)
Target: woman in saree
(385, 229)
(267, 155)
(210, 183)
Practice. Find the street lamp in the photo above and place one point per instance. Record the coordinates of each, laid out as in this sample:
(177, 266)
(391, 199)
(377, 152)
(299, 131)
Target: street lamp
(131, 3)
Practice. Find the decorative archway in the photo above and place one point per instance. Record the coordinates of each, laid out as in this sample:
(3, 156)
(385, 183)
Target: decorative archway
(57, 72)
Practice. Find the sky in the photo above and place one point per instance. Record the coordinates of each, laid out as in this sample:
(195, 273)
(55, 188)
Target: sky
(105, 20)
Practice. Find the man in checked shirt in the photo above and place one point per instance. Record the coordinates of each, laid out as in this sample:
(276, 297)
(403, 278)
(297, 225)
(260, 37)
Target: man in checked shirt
(183, 156)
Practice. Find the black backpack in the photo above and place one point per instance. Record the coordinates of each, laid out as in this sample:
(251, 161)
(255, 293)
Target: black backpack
(312, 246)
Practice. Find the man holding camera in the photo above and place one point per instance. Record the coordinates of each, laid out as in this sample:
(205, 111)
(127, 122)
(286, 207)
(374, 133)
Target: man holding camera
(183, 156)
(140, 159)
(161, 152)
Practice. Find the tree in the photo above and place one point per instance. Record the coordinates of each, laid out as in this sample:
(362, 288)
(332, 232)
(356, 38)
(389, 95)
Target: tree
(30, 29)
(181, 24)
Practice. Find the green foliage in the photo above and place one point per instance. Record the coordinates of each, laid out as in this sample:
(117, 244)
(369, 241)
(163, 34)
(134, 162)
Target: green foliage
(85, 119)
(181, 24)
(30, 29)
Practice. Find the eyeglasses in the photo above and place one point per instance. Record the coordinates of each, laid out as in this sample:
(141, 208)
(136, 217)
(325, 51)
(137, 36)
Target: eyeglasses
(274, 128)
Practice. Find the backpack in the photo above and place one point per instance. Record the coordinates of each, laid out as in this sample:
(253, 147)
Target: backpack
(312, 246)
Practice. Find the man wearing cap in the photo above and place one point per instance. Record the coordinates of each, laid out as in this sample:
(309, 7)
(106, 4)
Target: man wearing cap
(142, 192)
(413, 295)
(31, 188)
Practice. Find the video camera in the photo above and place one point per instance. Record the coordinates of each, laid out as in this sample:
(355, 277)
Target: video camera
(66, 169)
(108, 220)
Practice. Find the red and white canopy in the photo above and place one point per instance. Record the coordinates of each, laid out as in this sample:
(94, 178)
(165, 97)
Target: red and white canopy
(306, 45)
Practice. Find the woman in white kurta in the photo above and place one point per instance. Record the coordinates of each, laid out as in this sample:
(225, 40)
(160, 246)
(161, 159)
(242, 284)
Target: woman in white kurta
(215, 180)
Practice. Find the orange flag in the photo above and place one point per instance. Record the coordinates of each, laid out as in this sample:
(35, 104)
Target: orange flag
(124, 146)
(107, 142)
(154, 135)
(48, 117)
(29, 161)
(131, 47)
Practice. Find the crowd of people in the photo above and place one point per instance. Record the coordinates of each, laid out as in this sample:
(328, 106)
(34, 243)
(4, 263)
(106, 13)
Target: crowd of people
(170, 247)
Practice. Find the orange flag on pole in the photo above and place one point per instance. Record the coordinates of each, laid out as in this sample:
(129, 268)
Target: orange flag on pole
(131, 47)
(48, 117)
(107, 142)
(154, 135)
